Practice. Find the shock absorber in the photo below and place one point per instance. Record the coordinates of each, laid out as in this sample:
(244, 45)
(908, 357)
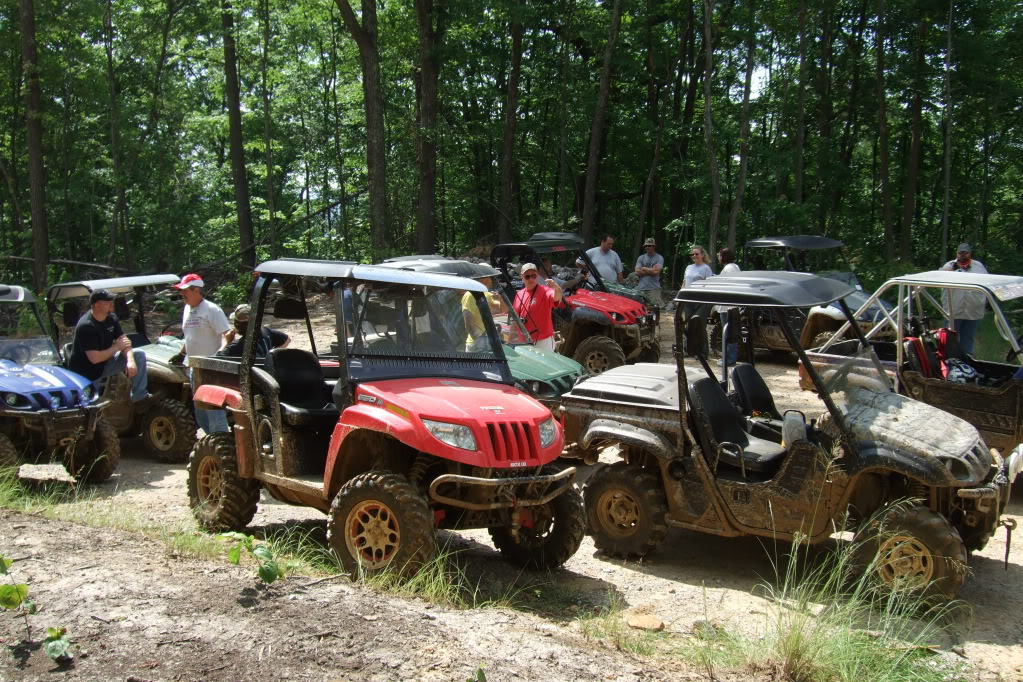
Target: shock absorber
(917, 491)
(418, 468)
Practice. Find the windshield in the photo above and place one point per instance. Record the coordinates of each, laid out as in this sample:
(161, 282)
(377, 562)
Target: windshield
(23, 341)
(509, 324)
(389, 319)
(852, 380)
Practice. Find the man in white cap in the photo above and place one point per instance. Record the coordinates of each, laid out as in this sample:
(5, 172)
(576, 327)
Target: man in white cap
(206, 327)
(534, 303)
(648, 267)
(966, 307)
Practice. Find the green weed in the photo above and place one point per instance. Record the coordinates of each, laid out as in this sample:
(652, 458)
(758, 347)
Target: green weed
(608, 623)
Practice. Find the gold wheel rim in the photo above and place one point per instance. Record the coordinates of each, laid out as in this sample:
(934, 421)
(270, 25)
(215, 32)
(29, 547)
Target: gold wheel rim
(210, 482)
(618, 513)
(161, 433)
(372, 534)
(905, 560)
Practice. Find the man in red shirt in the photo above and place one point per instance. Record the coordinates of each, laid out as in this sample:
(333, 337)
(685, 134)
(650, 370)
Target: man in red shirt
(534, 304)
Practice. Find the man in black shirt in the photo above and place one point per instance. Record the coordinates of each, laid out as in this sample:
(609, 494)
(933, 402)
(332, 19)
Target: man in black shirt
(100, 348)
(268, 338)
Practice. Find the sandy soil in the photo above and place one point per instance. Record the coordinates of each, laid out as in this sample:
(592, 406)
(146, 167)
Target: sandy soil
(140, 613)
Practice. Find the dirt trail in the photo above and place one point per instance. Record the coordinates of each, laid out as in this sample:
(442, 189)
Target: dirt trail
(139, 611)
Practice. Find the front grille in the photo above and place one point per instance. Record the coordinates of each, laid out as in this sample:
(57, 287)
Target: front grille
(512, 441)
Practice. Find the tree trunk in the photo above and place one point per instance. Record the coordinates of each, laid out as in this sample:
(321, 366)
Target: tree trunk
(119, 222)
(34, 140)
(850, 129)
(234, 117)
(597, 131)
(264, 12)
(800, 111)
(882, 134)
(426, 132)
(740, 187)
(708, 131)
(365, 36)
(947, 126)
(507, 218)
(913, 161)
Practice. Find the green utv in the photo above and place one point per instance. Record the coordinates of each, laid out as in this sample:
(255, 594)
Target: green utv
(694, 457)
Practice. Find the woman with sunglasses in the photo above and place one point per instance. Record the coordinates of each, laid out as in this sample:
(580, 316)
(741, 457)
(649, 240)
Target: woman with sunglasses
(535, 303)
(695, 271)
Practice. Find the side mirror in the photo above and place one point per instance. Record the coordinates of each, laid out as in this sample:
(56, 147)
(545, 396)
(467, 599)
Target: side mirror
(289, 309)
(121, 308)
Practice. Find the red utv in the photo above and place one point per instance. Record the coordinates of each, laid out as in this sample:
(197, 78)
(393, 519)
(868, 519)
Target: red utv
(402, 432)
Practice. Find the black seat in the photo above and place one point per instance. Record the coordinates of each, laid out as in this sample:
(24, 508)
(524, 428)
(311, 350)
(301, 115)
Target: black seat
(721, 422)
(754, 395)
(305, 396)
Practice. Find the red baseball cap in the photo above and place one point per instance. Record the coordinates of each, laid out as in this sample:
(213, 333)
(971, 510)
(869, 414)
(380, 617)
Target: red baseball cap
(190, 280)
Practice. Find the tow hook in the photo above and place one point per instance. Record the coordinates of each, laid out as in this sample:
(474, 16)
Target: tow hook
(1010, 525)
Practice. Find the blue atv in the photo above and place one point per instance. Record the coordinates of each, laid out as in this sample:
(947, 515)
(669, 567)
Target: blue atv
(47, 411)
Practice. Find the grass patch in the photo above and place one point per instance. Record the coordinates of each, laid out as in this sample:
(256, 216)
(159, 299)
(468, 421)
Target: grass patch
(828, 622)
(608, 623)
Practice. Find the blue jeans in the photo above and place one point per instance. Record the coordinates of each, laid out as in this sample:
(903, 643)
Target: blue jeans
(118, 362)
(210, 421)
(967, 330)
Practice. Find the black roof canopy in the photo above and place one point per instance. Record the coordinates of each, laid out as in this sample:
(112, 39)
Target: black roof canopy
(765, 289)
(800, 242)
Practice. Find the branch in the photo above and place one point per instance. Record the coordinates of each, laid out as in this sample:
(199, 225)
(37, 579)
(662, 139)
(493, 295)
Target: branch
(74, 262)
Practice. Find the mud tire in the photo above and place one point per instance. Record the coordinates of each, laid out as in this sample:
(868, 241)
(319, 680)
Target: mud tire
(8, 453)
(220, 499)
(649, 354)
(168, 431)
(626, 510)
(553, 540)
(598, 354)
(714, 340)
(384, 508)
(931, 555)
(821, 339)
(96, 460)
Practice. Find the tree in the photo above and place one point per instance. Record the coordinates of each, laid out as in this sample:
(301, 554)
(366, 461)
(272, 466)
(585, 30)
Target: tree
(234, 116)
(506, 219)
(34, 139)
(708, 131)
(430, 30)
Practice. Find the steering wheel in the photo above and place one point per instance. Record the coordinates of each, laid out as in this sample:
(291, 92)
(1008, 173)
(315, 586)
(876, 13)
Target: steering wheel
(19, 353)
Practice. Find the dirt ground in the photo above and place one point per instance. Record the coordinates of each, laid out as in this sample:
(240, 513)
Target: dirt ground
(138, 612)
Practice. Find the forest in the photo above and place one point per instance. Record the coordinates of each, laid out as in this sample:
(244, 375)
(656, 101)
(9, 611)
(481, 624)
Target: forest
(178, 135)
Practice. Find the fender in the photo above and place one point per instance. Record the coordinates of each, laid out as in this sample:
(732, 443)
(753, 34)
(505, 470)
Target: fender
(372, 419)
(872, 455)
(159, 373)
(212, 397)
(627, 434)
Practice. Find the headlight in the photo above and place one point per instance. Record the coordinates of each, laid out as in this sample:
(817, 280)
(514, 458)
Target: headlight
(55, 402)
(456, 435)
(11, 399)
(548, 433)
(87, 394)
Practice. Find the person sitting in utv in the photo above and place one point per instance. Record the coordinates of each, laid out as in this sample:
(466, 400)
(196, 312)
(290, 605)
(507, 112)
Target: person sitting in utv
(268, 338)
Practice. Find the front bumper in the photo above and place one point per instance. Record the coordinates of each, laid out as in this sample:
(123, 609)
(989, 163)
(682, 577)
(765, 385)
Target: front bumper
(995, 492)
(57, 427)
(501, 493)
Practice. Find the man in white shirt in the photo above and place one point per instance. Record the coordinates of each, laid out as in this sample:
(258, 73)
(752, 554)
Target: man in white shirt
(967, 308)
(206, 327)
(606, 261)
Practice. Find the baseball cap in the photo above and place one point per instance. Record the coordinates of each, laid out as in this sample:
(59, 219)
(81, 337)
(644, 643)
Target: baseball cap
(649, 242)
(190, 280)
(526, 267)
(241, 313)
(964, 247)
(100, 295)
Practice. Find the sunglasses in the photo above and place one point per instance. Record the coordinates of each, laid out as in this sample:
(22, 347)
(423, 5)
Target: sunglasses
(533, 276)
(696, 253)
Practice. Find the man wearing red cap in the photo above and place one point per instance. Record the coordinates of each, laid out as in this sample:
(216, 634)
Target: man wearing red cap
(206, 327)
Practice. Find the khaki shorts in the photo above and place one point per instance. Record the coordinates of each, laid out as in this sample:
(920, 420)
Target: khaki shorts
(654, 296)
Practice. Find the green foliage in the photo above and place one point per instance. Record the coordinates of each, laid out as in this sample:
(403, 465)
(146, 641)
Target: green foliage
(267, 567)
(12, 596)
(57, 645)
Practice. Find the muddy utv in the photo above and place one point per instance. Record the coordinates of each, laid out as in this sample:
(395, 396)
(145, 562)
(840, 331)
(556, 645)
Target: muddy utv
(541, 373)
(401, 433)
(598, 326)
(46, 411)
(168, 425)
(991, 399)
(693, 458)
